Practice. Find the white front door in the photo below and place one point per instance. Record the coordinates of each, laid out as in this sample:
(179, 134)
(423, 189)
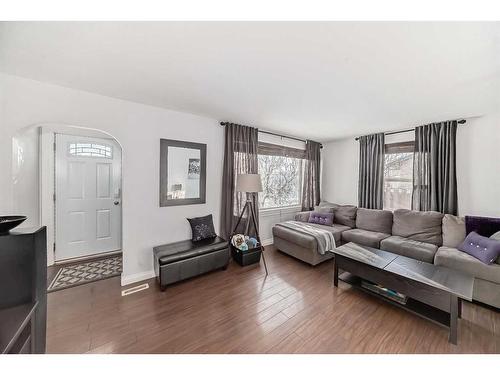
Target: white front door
(87, 196)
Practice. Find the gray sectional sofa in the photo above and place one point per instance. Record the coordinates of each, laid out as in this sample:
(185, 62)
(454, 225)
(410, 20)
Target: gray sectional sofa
(427, 236)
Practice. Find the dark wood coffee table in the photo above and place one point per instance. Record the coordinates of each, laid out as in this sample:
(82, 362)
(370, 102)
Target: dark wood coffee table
(433, 292)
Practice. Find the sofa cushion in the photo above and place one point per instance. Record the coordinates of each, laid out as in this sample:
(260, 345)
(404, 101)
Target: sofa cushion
(458, 260)
(374, 220)
(345, 215)
(409, 248)
(453, 230)
(487, 292)
(299, 238)
(364, 237)
(423, 226)
(485, 249)
(306, 240)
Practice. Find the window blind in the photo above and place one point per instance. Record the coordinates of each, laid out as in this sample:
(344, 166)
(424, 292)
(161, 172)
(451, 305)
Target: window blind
(279, 150)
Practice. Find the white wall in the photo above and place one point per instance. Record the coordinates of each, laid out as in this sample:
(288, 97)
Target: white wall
(25, 175)
(138, 128)
(478, 167)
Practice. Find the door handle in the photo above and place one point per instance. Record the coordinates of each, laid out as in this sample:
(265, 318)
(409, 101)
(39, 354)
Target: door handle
(116, 203)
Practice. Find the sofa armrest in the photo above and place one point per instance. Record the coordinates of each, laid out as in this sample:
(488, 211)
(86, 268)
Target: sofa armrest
(303, 216)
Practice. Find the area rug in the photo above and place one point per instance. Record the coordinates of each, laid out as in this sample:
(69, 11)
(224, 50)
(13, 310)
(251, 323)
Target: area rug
(83, 273)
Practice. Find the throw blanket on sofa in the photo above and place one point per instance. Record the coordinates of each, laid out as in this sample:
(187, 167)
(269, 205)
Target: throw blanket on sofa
(324, 238)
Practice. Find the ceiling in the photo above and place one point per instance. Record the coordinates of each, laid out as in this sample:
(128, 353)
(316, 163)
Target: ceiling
(320, 80)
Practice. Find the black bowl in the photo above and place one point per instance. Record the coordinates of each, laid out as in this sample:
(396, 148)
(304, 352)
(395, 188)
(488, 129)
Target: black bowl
(9, 222)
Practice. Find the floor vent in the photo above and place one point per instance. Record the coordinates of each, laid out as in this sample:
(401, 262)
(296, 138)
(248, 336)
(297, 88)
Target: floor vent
(134, 289)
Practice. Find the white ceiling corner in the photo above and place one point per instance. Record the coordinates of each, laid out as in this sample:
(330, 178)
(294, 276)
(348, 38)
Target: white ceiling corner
(319, 80)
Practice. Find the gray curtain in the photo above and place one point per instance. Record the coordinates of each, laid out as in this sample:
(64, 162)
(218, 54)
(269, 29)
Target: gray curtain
(240, 156)
(311, 185)
(434, 168)
(371, 171)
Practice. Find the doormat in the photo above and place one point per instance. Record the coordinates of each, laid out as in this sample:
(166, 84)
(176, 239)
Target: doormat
(83, 273)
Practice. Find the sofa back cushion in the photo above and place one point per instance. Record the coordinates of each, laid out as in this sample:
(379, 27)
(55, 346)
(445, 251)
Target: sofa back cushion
(323, 210)
(424, 226)
(328, 204)
(374, 220)
(453, 230)
(345, 215)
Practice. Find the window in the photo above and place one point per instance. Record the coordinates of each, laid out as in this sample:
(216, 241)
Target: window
(90, 149)
(280, 169)
(398, 175)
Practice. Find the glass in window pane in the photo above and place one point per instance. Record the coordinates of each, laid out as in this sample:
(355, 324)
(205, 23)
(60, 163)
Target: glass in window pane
(398, 180)
(92, 150)
(281, 181)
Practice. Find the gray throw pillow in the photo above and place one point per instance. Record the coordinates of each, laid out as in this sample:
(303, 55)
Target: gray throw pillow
(496, 236)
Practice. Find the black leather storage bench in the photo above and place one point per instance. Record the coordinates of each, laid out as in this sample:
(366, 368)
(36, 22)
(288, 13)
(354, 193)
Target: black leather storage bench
(184, 259)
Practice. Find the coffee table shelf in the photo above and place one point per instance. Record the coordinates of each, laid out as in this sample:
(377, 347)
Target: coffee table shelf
(421, 309)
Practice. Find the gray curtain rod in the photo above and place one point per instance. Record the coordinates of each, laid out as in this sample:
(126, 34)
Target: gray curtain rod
(411, 130)
(278, 135)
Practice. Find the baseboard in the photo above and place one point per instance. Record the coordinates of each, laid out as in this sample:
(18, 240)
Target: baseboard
(136, 277)
(268, 241)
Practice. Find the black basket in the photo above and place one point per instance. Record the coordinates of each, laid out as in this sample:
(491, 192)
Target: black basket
(246, 257)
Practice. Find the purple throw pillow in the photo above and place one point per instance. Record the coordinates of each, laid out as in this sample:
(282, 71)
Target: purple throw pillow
(482, 248)
(321, 218)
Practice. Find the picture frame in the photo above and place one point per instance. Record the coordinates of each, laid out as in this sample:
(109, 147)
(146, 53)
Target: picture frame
(195, 170)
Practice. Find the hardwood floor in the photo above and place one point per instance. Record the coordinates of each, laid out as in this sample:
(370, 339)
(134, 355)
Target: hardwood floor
(294, 310)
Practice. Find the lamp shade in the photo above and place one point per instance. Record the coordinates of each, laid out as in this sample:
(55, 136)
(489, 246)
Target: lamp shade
(249, 183)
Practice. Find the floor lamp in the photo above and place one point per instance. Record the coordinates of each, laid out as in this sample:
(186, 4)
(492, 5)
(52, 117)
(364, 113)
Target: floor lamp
(250, 184)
